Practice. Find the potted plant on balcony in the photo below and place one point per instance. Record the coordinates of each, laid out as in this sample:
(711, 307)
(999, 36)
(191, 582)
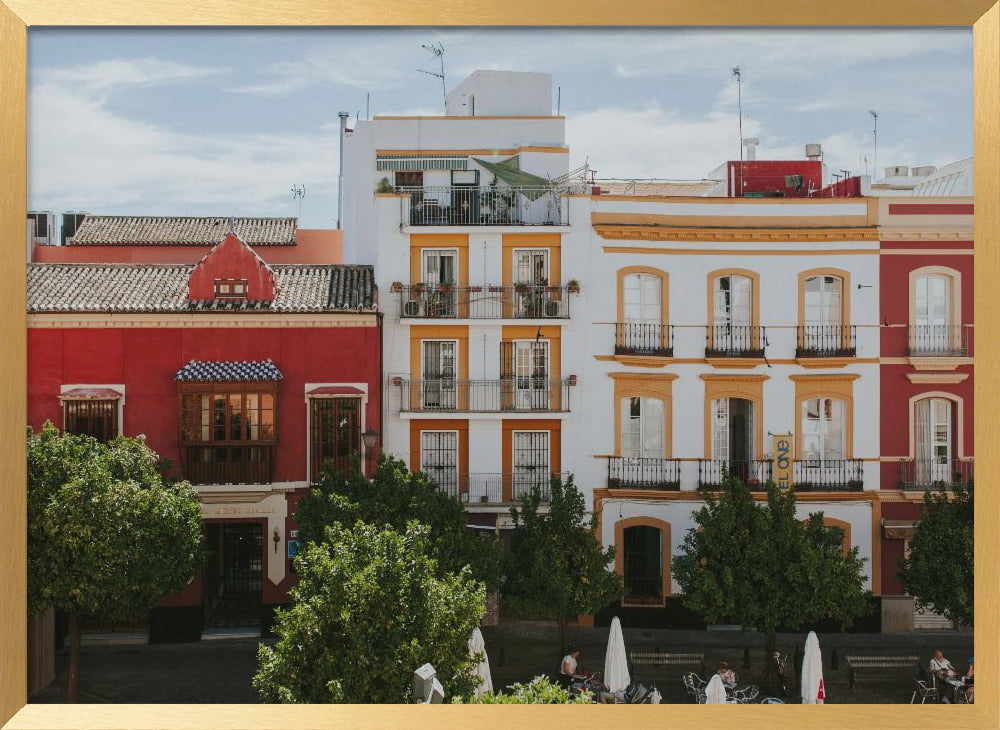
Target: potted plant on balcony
(396, 287)
(573, 286)
(384, 186)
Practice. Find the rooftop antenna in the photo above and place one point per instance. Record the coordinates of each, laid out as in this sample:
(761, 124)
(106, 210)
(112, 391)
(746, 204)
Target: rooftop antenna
(368, 105)
(738, 75)
(559, 102)
(875, 132)
(298, 193)
(437, 50)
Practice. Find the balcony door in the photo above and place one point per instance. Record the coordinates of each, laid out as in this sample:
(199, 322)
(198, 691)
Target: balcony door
(335, 438)
(933, 441)
(733, 313)
(932, 318)
(531, 267)
(531, 462)
(439, 459)
(642, 428)
(642, 310)
(822, 328)
(438, 375)
(439, 268)
(643, 564)
(527, 362)
(733, 427)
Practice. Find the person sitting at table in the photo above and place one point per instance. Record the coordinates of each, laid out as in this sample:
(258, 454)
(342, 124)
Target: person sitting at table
(941, 667)
(568, 667)
(727, 675)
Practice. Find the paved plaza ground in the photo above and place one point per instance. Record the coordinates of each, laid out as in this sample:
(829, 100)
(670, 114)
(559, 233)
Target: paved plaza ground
(220, 671)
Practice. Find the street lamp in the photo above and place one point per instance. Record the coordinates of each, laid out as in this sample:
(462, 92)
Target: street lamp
(368, 439)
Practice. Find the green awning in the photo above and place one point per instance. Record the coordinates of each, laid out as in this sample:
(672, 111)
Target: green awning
(530, 186)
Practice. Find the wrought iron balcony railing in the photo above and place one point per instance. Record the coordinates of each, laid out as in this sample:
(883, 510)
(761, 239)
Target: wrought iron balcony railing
(755, 473)
(829, 475)
(514, 394)
(735, 341)
(492, 488)
(469, 205)
(420, 301)
(640, 338)
(932, 474)
(827, 340)
(938, 340)
(230, 464)
(626, 472)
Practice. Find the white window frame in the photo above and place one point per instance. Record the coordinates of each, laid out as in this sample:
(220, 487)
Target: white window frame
(640, 277)
(625, 408)
(537, 394)
(425, 275)
(823, 428)
(546, 255)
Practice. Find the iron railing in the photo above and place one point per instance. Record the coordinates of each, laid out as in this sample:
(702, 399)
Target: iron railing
(755, 473)
(484, 302)
(470, 205)
(493, 488)
(514, 394)
(735, 341)
(827, 340)
(640, 338)
(829, 475)
(934, 340)
(625, 472)
(228, 464)
(929, 474)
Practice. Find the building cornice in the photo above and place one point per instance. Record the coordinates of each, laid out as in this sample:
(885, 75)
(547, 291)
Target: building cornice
(611, 232)
(98, 320)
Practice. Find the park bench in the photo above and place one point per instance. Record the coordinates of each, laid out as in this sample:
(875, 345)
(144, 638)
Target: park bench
(667, 659)
(879, 666)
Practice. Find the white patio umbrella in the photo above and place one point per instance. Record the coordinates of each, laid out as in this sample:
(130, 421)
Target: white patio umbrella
(616, 676)
(715, 692)
(477, 645)
(812, 672)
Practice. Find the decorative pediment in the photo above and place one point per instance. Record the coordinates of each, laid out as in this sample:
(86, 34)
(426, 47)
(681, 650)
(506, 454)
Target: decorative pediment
(231, 271)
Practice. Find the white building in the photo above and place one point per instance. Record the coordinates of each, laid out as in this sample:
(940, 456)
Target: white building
(644, 340)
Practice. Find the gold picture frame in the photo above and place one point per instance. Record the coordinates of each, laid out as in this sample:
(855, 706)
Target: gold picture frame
(17, 15)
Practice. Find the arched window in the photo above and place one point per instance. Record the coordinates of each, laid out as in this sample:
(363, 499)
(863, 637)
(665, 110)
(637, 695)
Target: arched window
(643, 563)
(935, 316)
(641, 298)
(933, 441)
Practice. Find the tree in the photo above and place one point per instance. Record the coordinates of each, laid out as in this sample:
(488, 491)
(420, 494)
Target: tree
(758, 565)
(539, 691)
(939, 569)
(107, 536)
(370, 607)
(393, 498)
(556, 567)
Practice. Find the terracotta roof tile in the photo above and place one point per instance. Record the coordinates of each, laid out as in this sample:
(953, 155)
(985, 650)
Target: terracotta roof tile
(120, 230)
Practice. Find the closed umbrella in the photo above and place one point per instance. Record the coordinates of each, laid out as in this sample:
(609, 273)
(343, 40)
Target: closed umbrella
(715, 692)
(477, 645)
(812, 672)
(616, 677)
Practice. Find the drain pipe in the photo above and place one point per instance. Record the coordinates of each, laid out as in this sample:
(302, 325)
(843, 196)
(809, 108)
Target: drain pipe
(340, 176)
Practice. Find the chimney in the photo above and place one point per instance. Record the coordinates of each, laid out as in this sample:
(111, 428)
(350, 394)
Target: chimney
(751, 144)
(814, 151)
(340, 175)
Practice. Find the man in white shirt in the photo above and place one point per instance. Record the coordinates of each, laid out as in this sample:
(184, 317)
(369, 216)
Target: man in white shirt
(567, 669)
(941, 666)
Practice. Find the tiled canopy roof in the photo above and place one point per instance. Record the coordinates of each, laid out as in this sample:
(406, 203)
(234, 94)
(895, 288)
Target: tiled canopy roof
(136, 288)
(241, 370)
(120, 230)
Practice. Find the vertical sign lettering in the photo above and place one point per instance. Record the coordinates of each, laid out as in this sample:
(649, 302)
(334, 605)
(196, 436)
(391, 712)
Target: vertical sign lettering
(784, 448)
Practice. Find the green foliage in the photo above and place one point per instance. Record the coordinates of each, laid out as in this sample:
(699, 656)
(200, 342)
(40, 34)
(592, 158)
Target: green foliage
(539, 691)
(384, 186)
(370, 607)
(758, 565)
(394, 498)
(939, 570)
(556, 567)
(107, 537)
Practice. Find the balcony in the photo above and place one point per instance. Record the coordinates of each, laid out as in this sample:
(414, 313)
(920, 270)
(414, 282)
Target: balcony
(625, 472)
(755, 473)
(735, 341)
(929, 474)
(639, 338)
(832, 475)
(483, 302)
(228, 464)
(827, 341)
(492, 489)
(469, 205)
(938, 341)
(506, 395)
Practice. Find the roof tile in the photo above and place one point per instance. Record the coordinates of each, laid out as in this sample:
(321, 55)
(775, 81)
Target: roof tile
(120, 230)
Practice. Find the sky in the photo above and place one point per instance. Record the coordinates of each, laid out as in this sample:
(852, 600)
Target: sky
(227, 121)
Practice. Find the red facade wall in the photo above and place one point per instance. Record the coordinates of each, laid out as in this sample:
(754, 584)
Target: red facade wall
(145, 360)
(768, 176)
(231, 258)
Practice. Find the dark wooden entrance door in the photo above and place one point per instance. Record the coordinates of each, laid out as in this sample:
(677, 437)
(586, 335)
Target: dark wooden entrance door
(234, 573)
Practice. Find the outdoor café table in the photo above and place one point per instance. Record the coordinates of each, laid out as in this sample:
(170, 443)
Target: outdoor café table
(956, 683)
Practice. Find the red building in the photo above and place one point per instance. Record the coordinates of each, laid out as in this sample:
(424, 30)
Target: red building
(926, 291)
(248, 376)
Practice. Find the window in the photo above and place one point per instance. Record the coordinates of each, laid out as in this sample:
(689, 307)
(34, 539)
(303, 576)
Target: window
(823, 301)
(439, 390)
(933, 440)
(409, 178)
(641, 294)
(91, 417)
(525, 364)
(733, 430)
(932, 317)
(531, 267)
(439, 459)
(643, 564)
(732, 330)
(531, 462)
(439, 267)
(642, 427)
(822, 429)
(227, 433)
(335, 433)
(230, 288)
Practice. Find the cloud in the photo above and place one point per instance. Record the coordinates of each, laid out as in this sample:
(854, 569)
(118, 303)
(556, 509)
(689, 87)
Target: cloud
(817, 105)
(114, 72)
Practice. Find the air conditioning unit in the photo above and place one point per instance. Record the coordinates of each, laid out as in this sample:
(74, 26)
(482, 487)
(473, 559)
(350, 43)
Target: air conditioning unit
(413, 308)
(551, 308)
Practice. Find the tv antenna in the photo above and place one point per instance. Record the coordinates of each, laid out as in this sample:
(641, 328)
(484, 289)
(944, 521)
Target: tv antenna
(875, 132)
(437, 50)
(738, 75)
(298, 193)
